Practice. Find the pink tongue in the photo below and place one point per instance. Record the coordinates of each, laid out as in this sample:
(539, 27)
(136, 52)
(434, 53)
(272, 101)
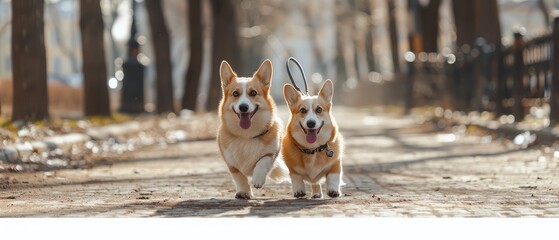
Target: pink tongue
(311, 136)
(245, 120)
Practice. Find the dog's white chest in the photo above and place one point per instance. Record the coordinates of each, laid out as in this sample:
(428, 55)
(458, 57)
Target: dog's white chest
(245, 153)
(314, 168)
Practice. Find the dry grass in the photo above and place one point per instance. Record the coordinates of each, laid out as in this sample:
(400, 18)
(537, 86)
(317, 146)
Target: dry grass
(63, 99)
(5, 96)
(65, 108)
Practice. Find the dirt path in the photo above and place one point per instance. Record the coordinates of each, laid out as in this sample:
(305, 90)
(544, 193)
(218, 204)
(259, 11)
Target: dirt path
(393, 167)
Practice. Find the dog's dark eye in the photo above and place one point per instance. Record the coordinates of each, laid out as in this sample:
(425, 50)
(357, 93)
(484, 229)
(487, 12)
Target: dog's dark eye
(235, 94)
(303, 110)
(253, 93)
(318, 110)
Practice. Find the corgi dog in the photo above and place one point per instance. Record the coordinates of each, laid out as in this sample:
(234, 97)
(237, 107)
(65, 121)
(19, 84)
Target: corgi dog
(312, 146)
(249, 136)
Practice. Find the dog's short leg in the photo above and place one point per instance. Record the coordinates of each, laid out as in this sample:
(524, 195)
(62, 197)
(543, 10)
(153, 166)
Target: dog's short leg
(316, 190)
(333, 180)
(261, 170)
(241, 182)
(298, 186)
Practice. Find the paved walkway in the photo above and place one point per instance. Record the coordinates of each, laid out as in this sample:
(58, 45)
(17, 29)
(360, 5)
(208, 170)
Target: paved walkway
(394, 167)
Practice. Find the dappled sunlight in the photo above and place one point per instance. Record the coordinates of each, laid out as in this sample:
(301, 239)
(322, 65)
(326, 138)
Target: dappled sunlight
(81, 144)
(112, 108)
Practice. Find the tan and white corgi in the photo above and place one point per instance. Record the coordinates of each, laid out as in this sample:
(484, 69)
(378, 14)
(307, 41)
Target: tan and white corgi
(312, 146)
(249, 136)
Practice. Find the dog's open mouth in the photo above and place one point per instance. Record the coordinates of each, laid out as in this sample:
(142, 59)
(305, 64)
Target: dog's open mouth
(312, 133)
(246, 118)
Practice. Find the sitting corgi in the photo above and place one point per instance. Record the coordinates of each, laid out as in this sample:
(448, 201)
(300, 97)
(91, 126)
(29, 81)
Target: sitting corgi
(250, 132)
(312, 146)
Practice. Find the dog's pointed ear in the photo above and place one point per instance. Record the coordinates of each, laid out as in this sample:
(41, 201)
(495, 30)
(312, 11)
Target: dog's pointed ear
(291, 95)
(327, 91)
(226, 73)
(264, 72)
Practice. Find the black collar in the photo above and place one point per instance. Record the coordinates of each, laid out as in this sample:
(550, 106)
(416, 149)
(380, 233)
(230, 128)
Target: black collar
(320, 148)
(263, 133)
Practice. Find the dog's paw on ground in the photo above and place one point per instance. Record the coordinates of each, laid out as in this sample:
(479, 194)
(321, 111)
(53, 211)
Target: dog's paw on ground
(333, 194)
(299, 194)
(242, 195)
(317, 195)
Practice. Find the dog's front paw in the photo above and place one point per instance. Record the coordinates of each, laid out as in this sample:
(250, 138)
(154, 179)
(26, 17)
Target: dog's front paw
(333, 193)
(317, 195)
(258, 182)
(300, 194)
(242, 195)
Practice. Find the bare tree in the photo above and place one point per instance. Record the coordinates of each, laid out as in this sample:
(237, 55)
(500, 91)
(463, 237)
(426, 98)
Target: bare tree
(161, 43)
(192, 77)
(369, 39)
(429, 16)
(393, 33)
(225, 42)
(464, 21)
(29, 68)
(476, 18)
(360, 26)
(96, 94)
(345, 59)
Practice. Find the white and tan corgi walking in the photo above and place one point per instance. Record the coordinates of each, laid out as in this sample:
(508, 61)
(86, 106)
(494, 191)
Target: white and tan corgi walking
(250, 132)
(312, 146)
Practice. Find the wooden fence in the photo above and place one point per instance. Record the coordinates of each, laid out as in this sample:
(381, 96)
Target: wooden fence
(486, 77)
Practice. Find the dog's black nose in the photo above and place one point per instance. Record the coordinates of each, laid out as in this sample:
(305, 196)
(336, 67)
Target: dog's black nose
(311, 124)
(243, 108)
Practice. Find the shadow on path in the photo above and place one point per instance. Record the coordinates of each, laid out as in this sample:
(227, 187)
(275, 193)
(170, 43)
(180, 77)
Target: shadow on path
(238, 208)
(386, 166)
(181, 178)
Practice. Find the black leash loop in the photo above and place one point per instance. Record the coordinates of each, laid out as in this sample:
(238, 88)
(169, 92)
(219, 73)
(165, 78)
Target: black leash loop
(302, 74)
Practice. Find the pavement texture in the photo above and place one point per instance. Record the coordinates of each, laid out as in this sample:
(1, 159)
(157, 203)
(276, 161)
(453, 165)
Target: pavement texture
(394, 166)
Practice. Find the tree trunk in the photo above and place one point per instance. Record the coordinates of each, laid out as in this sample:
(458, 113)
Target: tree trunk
(393, 36)
(360, 27)
(429, 16)
(487, 20)
(29, 67)
(192, 77)
(225, 46)
(96, 94)
(554, 94)
(341, 74)
(161, 45)
(369, 39)
(464, 21)
(339, 15)
(476, 18)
